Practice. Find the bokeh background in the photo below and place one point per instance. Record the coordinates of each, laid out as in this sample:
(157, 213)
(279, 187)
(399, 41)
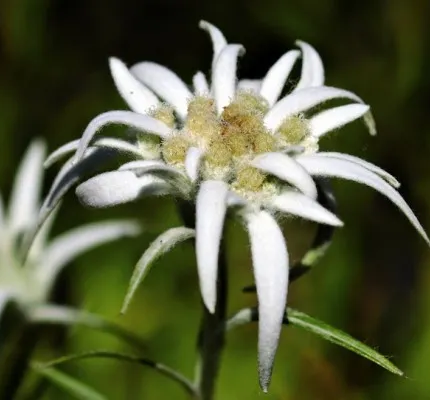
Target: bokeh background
(375, 280)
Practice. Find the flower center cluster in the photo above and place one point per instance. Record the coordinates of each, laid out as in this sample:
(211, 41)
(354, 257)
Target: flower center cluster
(230, 140)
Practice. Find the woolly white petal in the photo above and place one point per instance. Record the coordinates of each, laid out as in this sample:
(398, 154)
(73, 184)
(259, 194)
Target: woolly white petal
(129, 118)
(117, 187)
(142, 165)
(334, 118)
(298, 204)
(275, 79)
(303, 100)
(234, 200)
(24, 200)
(270, 261)
(224, 75)
(165, 83)
(200, 84)
(218, 39)
(149, 166)
(287, 169)
(366, 164)
(211, 207)
(337, 168)
(312, 67)
(138, 97)
(71, 244)
(192, 163)
(252, 85)
(109, 143)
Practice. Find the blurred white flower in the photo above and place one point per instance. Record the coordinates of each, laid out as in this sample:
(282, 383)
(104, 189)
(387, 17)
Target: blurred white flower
(27, 277)
(229, 143)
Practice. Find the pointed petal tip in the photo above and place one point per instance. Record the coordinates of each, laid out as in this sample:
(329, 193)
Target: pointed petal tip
(203, 24)
(265, 376)
(210, 305)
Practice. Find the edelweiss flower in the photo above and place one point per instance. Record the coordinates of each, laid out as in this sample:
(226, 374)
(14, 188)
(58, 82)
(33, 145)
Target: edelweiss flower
(27, 279)
(233, 144)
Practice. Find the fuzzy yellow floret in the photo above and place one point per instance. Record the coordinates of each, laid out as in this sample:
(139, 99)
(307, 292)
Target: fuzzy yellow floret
(164, 113)
(175, 148)
(248, 179)
(252, 102)
(218, 155)
(294, 129)
(201, 118)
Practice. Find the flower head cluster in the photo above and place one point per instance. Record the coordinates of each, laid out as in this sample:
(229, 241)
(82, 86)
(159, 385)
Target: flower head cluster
(28, 273)
(229, 143)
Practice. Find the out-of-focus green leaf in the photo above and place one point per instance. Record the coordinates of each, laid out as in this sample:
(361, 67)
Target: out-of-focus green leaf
(61, 315)
(161, 368)
(158, 247)
(72, 386)
(333, 335)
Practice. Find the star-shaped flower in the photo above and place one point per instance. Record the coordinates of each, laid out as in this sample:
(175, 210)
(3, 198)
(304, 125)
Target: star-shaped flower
(27, 277)
(237, 144)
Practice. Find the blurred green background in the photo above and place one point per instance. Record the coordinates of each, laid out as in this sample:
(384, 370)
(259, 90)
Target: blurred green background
(375, 280)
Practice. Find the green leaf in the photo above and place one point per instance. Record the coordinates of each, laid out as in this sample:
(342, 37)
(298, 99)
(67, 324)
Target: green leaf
(168, 372)
(72, 386)
(327, 332)
(336, 336)
(48, 314)
(158, 247)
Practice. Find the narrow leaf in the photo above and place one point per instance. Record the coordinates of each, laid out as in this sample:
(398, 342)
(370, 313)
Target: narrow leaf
(336, 336)
(72, 386)
(320, 328)
(158, 247)
(160, 368)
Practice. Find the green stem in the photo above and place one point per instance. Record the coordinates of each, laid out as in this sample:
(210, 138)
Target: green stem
(211, 338)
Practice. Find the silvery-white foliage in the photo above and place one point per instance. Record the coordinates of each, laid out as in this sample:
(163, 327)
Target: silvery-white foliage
(28, 273)
(224, 142)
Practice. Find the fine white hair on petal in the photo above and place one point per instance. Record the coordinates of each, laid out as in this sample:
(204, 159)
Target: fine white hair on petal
(118, 145)
(253, 85)
(192, 163)
(129, 118)
(334, 167)
(217, 37)
(270, 262)
(71, 244)
(275, 79)
(303, 100)
(224, 75)
(165, 83)
(298, 204)
(24, 200)
(287, 169)
(312, 67)
(200, 84)
(328, 120)
(138, 97)
(366, 164)
(211, 206)
(117, 187)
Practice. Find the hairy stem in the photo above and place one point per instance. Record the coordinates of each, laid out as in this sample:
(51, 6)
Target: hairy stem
(211, 338)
